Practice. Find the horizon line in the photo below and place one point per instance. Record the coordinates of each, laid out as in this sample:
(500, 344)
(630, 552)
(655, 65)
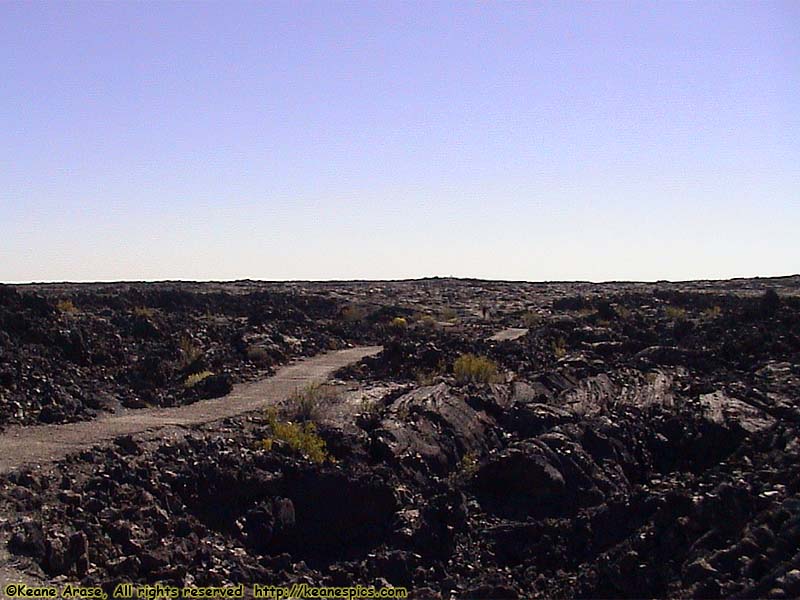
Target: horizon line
(395, 280)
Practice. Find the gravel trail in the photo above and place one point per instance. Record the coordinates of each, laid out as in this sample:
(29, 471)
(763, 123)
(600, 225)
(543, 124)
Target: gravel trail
(37, 445)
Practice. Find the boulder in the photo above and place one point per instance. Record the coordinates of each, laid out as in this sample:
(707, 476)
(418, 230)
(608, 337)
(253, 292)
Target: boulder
(430, 429)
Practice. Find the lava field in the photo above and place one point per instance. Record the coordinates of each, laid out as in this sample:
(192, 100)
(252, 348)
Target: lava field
(631, 441)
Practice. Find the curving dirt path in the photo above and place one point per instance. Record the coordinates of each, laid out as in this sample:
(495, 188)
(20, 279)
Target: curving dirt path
(36, 445)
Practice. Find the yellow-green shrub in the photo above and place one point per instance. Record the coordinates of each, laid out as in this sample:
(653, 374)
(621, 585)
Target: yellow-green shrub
(427, 321)
(195, 378)
(189, 351)
(559, 348)
(398, 323)
(531, 319)
(301, 438)
(471, 368)
(66, 306)
(676, 313)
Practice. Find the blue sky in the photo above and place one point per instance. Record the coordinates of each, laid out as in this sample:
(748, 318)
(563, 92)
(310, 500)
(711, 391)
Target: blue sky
(325, 140)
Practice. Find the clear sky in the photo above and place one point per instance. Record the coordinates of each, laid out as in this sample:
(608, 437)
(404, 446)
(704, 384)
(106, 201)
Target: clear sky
(325, 140)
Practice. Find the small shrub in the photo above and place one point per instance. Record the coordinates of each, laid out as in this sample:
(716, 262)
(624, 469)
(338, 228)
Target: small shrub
(368, 406)
(305, 403)
(426, 377)
(258, 356)
(143, 311)
(465, 469)
(398, 324)
(479, 369)
(424, 320)
(559, 348)
(353, 314)
(531, 319)
(66, 306)
(448, 314)
(190, 352)
(301, 438)
(195, 378)
(468, 464)
(369, 414)
(712, 312)
(623, 312)
(675, 313)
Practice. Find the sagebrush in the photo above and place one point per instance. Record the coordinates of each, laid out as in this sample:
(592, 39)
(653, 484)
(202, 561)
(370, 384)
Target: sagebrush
(476, 369)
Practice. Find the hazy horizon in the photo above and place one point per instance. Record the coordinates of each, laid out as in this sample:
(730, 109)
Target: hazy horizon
(367, 280)
(320, 141)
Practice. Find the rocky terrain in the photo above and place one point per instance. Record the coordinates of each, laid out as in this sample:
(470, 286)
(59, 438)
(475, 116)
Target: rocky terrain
(74, 353)
(639, 440)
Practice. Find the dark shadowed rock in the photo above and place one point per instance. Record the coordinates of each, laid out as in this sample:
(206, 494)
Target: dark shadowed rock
(334, 509)
(214, 386)
(520, 480)
(529, 420)
(29, 540)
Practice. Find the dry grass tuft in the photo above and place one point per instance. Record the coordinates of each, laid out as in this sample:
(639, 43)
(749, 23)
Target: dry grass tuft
(305, 403)
(190, 352)
(559, 348)
(478, 369)
(195, 378)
